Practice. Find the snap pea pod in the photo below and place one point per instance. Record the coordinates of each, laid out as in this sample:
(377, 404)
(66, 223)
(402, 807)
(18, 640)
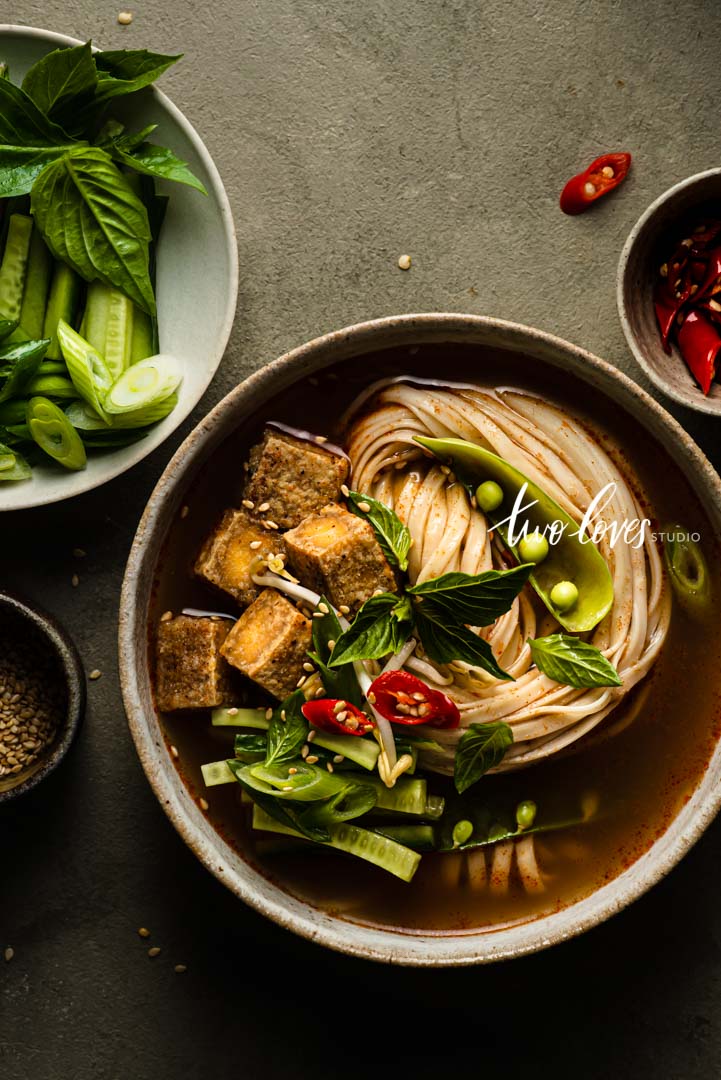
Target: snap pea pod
(307, 784)
(569, 560)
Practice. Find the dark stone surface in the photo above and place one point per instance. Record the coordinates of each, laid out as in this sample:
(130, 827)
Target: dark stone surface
(348, 133)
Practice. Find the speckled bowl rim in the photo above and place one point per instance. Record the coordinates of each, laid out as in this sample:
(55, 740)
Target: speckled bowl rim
(370, 942)
(140, 450)
(74, 676)
(709, 406)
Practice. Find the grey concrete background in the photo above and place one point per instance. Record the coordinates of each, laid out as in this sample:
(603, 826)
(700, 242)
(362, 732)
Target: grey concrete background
(348, 133)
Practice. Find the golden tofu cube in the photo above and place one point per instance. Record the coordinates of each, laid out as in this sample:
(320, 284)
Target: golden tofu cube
(295, 477)
(269, 643)
(190, 673)
(337, 554)
(226, 556)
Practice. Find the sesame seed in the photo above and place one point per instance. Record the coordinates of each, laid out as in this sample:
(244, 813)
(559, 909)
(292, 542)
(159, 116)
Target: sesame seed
(282, 715)
(364, 506)
(254, 544)
(74, 580)
(323, 607)
(344, 609)
(305, 751)
(329, 766)
(321, 438)
(320, 692)
(143, 931)
(155, 951)
(287, 787)
(203, 804)
(270, 524)
(125, 18)
(331, 645)
(300, 682)
(404, 262)
(264, 508)
(79, 553)
(248, 504)
(174, 751)
(338, 758)
(8, 954)
(166, 616)
(184, 512)
(269, 714)
(292, 772)
(345, 490)
(95, 674)
(180, 969)
(307, 666)
(233, 711)
(311, 735)
(318, 614)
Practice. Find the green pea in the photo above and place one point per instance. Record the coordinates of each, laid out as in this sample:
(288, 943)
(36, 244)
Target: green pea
(462, 831)
(489, 496)
(533, 548)
(564, 595)
(53, 432)
(525, 814)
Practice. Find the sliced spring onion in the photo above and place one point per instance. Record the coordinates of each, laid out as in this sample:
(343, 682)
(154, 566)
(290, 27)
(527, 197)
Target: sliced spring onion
(85, 418)
(86, 367)
(380, 850)
(53, 432)
(307, 784)
(144, 384)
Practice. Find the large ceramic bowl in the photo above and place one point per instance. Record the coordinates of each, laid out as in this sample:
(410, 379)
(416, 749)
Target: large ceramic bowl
(487, 336)
(197, 276)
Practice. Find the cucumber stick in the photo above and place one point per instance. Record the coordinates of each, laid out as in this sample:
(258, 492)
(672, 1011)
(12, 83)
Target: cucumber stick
(144, 341)
(108, 326)
(13, 269)
(37, 286)
(380, 850)
(62, 304)
(217, 772)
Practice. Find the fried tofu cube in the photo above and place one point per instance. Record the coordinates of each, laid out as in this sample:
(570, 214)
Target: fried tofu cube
(269, 643)
(190, 672)
(295, 477)
(227, 555)
(337, 554)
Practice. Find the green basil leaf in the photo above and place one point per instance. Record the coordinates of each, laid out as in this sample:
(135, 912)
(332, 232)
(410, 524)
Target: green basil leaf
(287, 736)
(20, 165)
(351, 802)
(28, 140)
(475, 599)
(572, 662)
(375, 632)
(132, 140)
(392, 535)
(123, 71)
(282, 812)
(251, 748)
(446, 641)
(480, 748)
(61, 81)
(22, 360)
(91, 219)
(339, 682)
(158, 161)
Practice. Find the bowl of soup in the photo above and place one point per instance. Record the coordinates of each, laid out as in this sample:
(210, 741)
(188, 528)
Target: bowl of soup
(400, 637)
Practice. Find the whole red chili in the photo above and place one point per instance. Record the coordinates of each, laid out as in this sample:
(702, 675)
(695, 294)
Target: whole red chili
(699, 342)
(337, 716)
(404, 699)
(602, 175)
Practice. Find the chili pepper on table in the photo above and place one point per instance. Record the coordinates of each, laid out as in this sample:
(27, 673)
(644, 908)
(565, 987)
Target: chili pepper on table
(602, 176)
(337, 716)
(403, 698)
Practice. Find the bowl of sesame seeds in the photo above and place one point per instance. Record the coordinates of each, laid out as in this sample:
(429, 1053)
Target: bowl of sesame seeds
(42, 695)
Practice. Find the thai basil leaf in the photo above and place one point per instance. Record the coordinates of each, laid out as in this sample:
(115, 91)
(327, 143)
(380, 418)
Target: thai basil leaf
(392, 535)
(91, 219)
(28, 140)
(480, 748)
(286, 736)
(20, 165)
(351, 802)
(282, 812)
(158, 161)
(572, 662)
(446, 641)
(475, 599)
(380, 627)
(339, 682)
(123, 71)
(251, 748)
(61, 81)
(22, 360)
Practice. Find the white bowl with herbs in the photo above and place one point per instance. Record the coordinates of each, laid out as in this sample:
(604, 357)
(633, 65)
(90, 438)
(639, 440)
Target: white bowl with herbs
(115, 233)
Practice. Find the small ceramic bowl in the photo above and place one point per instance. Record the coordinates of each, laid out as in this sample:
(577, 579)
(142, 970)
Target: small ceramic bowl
(643, 253)
(53, 646)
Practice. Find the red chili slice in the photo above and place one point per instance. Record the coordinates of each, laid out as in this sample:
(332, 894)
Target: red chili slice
(404, 699)
(337, 716)
(602, 176)
(699, 342)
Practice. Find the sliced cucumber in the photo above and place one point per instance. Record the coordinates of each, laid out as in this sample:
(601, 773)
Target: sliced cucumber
(247, 718)
(118, 333)
(13, 269)
(217, 772)
(144, 340)
(37, 285)
(380, 850)
(62, 305)
(144, 384)
(406, 797)
(418, 837)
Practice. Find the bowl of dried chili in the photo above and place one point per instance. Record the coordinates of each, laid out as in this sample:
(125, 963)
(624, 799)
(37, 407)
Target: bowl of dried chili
(669, 292)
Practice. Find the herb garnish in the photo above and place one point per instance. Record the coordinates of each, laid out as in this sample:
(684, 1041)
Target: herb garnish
(446, 641)
(570, 661)
(392, 535)
(339, 681)
(381, 627)
(474, 599)
(480, 748)
(288, 730)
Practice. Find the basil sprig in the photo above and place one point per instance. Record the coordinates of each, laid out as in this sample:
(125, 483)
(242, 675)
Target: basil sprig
(474, 599)
(480, 748)
(340, 681)
(446, 641)
(572, 662)
(288, 730)
(381, 627)
(392, 535)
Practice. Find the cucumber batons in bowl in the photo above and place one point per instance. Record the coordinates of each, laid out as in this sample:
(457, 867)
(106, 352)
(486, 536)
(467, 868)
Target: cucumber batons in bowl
(197, 272)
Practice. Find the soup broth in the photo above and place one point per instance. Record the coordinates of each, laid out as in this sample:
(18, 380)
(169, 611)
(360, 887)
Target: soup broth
(639, 775)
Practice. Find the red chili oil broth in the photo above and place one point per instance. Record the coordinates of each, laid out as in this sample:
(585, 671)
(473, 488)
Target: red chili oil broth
(642, 776)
